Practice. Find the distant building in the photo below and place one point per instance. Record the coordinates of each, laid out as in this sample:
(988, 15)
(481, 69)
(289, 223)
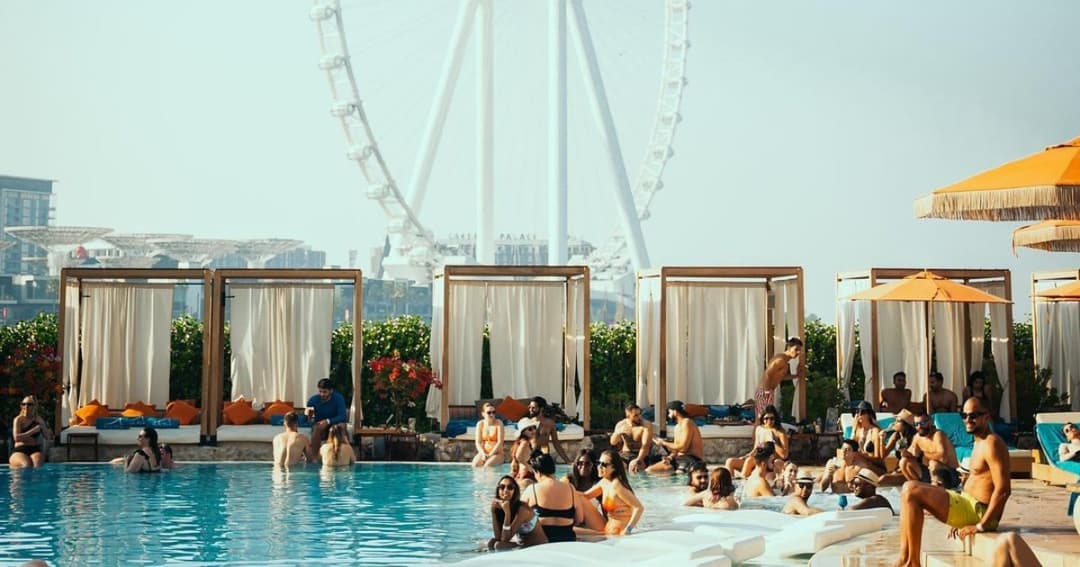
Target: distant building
(24, 202)
(510, 249)
(303, 257)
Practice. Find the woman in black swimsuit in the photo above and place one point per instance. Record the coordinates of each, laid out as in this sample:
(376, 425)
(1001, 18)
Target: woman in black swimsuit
(30, 434)
(553, 501)
(147, 457)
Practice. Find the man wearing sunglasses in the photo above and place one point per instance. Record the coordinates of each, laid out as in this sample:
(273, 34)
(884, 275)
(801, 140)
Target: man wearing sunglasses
(930, 450)
(977, 508)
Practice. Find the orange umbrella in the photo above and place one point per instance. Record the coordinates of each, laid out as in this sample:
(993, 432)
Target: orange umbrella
(1051, 236)
(1045, 185)
(1069, 292)
(926, 287)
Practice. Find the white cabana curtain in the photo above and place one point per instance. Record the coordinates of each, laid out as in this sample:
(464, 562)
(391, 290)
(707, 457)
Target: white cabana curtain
(280, 339)
(468, 314)
(1059, 335)
(949, 342)
(433, 405)
(902, 343)
(574, 348)
(70, 355)
(648, 329)
(527, 326)
(125, 343)
(845, 334)
(999, 343)
(977, 322)
(785, 326)
(864, 311)
(715, 342)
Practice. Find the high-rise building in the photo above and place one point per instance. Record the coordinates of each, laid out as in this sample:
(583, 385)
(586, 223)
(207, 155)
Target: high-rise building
(24, 202)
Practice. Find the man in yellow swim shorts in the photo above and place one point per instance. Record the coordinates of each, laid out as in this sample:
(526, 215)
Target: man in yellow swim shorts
(980, 504)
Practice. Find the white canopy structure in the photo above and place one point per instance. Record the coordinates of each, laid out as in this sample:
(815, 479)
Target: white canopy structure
(705, 334)
(114, 334)
(196, 251)
(259, 251)
(1056, 332)
(58, 241)
(539, 327)
(280, 323)
(893, 335)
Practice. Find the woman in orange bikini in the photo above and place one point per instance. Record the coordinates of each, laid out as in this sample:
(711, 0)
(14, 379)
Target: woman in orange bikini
(489, 439)
(620, 504)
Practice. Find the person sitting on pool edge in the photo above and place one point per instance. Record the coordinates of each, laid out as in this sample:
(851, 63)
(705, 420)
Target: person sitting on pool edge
(687, 448)
(30, 432)
(633, 437)
(798, 504)
(324, 409)
(864, 486)
(512, 524)
(290, 446)
(547, 435)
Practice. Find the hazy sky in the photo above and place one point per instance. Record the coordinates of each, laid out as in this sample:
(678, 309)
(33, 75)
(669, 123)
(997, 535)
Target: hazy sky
(808, 127)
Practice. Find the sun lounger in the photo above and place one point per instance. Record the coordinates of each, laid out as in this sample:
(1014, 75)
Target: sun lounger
(847, 422)
(1019, 459)
(1048, 429)
(184, 435)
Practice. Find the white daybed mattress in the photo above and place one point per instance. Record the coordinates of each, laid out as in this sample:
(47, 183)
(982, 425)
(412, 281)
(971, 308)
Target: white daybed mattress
(572, 432)
(711, 431)
(185, 435)
(1058, 417)
(261, 433)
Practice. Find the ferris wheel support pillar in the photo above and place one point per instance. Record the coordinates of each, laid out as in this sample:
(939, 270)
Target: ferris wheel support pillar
(594, 84)
(557, 239)
(485, 139)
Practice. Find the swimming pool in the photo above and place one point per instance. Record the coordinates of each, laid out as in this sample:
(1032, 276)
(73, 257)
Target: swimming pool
(229, 513)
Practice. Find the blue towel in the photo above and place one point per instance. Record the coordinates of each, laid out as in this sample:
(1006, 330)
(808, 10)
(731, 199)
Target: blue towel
(279, 420)
(720, 410)
(163, 422)
(649, 413)
(456, 427)
(134, 421)
(886, 422)
(110, 423)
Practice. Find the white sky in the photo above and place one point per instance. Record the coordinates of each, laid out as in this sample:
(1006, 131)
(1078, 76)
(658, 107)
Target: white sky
(808, 127)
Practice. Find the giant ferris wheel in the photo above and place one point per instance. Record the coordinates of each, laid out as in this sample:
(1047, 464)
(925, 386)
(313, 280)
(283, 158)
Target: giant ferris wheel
(413, 252)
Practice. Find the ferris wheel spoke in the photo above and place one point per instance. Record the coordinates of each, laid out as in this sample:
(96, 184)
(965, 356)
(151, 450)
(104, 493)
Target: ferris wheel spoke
(594, 84)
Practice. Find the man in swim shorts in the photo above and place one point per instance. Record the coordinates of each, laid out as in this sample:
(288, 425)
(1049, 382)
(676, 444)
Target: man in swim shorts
(978, 508)
(687, 449)
(633, 438)
(778, 370)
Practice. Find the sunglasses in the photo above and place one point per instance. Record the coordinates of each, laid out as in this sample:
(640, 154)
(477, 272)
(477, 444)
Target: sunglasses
(582, 463)
(506, 487)
(603, 463)
(489, 412)
(768, 418)
(26, 404)
(973, 415)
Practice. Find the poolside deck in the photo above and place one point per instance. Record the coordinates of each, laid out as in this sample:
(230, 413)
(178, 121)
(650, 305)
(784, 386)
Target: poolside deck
(1034, 510)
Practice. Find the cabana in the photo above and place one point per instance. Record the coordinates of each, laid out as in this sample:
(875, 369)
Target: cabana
(1056, 331)
(538, 318)
(897, 333)
(114, 336)
(705, 334)
(280, 324)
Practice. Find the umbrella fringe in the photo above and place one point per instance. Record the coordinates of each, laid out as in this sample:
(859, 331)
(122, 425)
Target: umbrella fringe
(1016, 204)
(1048, 238)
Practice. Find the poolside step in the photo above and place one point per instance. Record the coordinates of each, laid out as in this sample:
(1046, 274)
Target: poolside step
(952, 560)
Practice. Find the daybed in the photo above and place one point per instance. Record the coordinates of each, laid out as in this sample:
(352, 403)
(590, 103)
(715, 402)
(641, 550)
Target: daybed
(184, 435)
(1048, 428)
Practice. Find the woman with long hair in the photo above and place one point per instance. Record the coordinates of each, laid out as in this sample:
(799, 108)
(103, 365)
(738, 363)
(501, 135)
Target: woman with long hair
(583, 475)
(620, 504)
(721, 492)
(146, 458)
(897, 439)
(553, 501)
(867, 433)
(978, 388)
(512, 524)
(30, 432)
(767, 430)
(489, 439)
(337, 451)
(521, 452)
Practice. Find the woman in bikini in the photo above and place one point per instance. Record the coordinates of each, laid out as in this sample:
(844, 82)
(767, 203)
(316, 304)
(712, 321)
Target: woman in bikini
(512, 524)
(768, 430)
(620, 504)
(521, 451)
(582, 477)
(337, 451)
(30, 432)
(867, 433)
(489, 439)
(147, 457)
(720, 495)
(553, 501)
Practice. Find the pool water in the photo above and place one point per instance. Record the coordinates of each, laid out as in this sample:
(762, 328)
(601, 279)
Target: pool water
(247, 512)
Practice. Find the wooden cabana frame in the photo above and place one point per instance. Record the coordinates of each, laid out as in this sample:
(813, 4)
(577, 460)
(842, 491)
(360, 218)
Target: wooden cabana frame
(78, 276)
(514, 274)
(224, 277)
(1037, 278)
(967, 276)
(713, 275)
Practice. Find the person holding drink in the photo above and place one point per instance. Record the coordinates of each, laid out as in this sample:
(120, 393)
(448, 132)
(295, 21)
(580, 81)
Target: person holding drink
(323, 411)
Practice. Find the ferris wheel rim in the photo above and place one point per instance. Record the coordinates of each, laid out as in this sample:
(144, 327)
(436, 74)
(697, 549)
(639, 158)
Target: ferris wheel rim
(609, 259)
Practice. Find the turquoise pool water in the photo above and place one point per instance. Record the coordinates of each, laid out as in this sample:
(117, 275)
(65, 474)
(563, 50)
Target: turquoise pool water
(247, 513)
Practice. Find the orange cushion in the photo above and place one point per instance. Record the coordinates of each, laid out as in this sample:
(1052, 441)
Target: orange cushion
(276, 408)
(139, 409)
(695, 410)
(240, 414)
(511, 409)
(89, 414)
(239, 400)
(182, 411)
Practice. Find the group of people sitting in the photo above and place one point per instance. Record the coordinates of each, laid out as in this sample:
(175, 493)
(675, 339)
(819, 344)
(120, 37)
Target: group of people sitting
(940, 398)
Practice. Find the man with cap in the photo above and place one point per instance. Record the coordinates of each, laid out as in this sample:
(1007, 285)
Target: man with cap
(864, 486)
(797, 504)
(688, 447)
(930, 450)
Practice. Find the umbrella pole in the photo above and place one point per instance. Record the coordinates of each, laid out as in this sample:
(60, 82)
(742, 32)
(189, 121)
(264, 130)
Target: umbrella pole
(929, 352)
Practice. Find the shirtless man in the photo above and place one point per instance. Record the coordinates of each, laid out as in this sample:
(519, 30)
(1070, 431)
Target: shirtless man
(698, 483)
(688, 447)
(797, 504)
(930, 450)
(840, 471)
(941, 398)
(896, 398)
(864, 486)
(290, 446)
(630, 433)
(778, 370)
(546, 435)
(977, 509)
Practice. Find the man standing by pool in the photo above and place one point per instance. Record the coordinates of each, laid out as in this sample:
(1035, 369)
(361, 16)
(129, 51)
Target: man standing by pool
(546, 434)
(324, 410)
(633, 439)
(977, 509)
(291, 446)
(778, 370)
